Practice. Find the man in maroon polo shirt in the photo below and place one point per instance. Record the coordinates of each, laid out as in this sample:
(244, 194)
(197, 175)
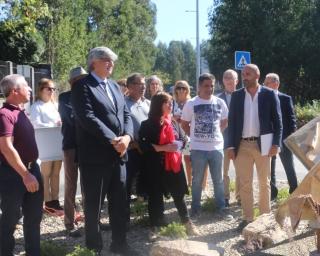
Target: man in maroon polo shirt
(20, 179)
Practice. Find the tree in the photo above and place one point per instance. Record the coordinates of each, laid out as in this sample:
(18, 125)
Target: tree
(19, 41)
(280, 35)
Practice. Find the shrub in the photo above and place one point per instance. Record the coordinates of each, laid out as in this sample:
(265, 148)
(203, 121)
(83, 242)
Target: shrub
(49, 248)
(283, 195)
(256, 212)
(174, 230)
(307, 112)
(209, 205)
(140, 209)
(81, 251)
(232, 186)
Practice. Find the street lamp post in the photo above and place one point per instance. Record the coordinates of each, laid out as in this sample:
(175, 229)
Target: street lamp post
(197, 43)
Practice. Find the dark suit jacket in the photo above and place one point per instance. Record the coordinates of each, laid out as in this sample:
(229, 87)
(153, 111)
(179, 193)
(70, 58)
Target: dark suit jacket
(269, 116)
(98, 121)
(68, 128)
(288, 116)
(225, 132)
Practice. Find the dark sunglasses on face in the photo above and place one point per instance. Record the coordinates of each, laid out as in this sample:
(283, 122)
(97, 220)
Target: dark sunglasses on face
(181, 88)
(51, 89)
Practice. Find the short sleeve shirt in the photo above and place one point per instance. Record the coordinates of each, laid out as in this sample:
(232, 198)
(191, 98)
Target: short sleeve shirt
(205, 116)
(15, 123)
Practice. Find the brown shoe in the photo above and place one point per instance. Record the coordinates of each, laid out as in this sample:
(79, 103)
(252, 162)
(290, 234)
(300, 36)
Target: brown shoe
(191, 229)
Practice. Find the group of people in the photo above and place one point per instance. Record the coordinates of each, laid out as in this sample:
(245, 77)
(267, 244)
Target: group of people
(132, 131)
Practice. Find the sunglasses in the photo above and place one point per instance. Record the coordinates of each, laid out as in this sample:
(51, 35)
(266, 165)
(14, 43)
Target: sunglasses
(51, 89)
(181, 88)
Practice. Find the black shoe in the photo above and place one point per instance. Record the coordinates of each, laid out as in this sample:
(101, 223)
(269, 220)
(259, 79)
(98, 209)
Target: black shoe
(124, 250)
(242, 225)
(74, 232)
(104, 226)
(55, 204)
(226, 203)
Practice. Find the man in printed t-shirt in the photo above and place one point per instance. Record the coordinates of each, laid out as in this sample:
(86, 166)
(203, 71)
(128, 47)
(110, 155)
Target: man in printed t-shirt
(204, 118)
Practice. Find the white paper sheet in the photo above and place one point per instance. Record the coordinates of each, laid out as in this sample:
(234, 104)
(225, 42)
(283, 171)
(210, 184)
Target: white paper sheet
(266, 143)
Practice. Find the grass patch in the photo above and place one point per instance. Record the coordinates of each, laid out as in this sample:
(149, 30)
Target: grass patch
(283, 195)
(174, 230)
(256, 212)
(209, 205)
(80, 251)
(49, 248)
(232, 186)
(140, 209)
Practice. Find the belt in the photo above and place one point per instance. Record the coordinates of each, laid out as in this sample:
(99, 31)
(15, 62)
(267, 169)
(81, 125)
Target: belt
(29, 164)
(250, 139)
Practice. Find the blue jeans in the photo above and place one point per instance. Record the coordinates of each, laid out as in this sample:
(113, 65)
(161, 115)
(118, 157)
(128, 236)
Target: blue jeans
(199, 160)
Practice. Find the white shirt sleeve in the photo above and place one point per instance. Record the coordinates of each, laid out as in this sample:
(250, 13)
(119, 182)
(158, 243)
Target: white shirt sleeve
(225, 111)
(187, 112)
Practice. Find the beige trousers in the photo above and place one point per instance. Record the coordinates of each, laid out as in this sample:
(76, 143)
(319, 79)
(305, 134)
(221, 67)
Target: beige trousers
(248, 155)
(226, 178)
(50, 173)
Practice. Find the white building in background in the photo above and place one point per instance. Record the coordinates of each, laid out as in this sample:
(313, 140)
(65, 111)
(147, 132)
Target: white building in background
(204, 67)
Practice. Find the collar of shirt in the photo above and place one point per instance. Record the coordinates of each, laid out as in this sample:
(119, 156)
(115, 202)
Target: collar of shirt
(99, 80)
(11, 106)
(257, 92)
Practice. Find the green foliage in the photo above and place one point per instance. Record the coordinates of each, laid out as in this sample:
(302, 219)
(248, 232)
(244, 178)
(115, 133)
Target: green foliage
(49, 248)
(232, 186)
(307, 112)
(281, 35)
(256, 212)
(140, 209)
(209, 205)
(283, 195)
(80, 251)
(178, 60)
(174, 230)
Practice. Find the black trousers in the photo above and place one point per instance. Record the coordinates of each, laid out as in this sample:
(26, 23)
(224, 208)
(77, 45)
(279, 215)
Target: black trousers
(287, 162)
(156, 204)
(15, 197)
(96, 178)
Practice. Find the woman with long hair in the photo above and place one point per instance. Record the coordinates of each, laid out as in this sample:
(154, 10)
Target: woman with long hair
(181, 94)
(44, 113)
(161, 141)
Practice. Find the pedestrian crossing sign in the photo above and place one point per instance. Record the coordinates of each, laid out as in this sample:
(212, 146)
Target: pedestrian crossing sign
(241, 59)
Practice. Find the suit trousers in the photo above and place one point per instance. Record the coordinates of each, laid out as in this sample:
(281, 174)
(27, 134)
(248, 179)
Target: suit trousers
(288, 165)
(226, 178)
(248, 156)
(50, 171)
(15, 197)
(70, 186)
(95, 178)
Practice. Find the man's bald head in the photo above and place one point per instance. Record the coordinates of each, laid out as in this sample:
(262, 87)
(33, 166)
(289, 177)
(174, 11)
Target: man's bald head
(250, 75)
(272, 81)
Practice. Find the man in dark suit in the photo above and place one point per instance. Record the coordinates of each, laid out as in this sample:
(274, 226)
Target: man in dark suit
(230, 81)
(254, 122)
(68, 130)
(289, 124)
(103, 132)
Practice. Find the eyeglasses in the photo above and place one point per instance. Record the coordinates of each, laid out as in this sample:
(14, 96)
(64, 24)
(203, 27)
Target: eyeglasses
(181, 88)
(51, 89)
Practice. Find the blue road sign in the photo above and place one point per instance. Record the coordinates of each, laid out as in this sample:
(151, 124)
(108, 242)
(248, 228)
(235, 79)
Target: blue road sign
(241, 59)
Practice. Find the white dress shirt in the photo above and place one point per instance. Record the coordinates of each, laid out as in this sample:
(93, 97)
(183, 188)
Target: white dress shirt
(251, 124)
(104, 86)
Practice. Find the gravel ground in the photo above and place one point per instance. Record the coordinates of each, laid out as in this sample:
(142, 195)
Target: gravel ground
(214, 230)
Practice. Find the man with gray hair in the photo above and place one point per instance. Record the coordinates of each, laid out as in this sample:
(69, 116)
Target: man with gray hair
(289, 124)
(103, 132)
(20, 179)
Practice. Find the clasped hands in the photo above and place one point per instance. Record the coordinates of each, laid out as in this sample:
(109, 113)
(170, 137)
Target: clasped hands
(121, 144)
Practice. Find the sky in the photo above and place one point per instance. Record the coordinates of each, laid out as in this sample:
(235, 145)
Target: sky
(176, 20)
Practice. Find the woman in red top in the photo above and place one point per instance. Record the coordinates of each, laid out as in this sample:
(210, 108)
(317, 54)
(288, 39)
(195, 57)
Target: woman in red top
(161, 140)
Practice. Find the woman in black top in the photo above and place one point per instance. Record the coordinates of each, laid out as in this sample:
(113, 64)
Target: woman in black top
(161, 140)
